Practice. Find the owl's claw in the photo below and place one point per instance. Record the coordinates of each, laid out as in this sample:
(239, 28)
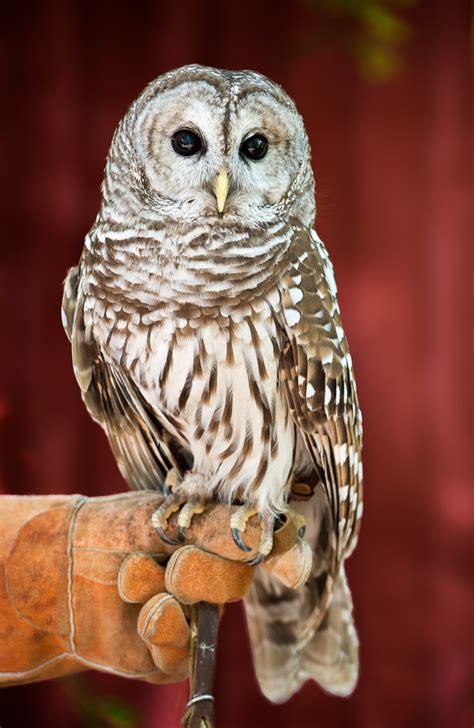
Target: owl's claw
(177, 494)
(238, 523)
(167, 539)
(238, 541)
(257, 559)
(161, 516)
(192, 507)
(266, 539)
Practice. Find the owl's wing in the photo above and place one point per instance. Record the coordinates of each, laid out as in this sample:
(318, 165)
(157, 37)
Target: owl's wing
(141, 445)
(316, 375)
(309, 632)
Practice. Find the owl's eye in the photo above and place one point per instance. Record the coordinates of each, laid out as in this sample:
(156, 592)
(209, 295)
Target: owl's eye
(186, 142)
(255, 147)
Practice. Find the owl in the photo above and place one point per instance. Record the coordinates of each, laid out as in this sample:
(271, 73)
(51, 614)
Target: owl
(207, 342)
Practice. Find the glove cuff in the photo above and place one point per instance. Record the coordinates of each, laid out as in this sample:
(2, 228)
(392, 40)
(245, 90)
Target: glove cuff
(36, 620)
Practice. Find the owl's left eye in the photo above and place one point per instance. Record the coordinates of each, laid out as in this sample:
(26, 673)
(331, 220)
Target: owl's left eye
(255, 147)
(186, 142)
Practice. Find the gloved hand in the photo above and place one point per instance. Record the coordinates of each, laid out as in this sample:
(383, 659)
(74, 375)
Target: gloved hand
(88, 583)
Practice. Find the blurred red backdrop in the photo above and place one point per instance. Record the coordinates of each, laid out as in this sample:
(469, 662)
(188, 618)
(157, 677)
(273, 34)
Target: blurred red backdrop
(392, 172)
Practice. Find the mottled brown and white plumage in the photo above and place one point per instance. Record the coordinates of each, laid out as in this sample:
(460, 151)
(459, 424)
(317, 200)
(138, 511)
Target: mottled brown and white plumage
(210, 344)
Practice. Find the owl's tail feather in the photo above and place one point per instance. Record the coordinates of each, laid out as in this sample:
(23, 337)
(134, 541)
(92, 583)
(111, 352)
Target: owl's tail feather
(292, 642)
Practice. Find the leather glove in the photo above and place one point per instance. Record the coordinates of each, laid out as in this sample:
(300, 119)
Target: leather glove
(88, 583)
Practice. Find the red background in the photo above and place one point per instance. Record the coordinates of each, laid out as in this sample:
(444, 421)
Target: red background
(392, 172)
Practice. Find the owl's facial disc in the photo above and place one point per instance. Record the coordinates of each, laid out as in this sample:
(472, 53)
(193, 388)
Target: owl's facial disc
(208, 154)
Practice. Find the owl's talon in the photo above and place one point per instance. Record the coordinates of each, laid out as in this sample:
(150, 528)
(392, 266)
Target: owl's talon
(238, 523)
(167, 539)
(160, 517)
(302, 531)
(238, 541)
(179, 496)
(266, 540)
(258, 558)
(191, 508)
(180, 534)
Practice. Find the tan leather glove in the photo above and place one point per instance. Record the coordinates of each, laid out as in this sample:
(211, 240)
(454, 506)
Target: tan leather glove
(88, 583)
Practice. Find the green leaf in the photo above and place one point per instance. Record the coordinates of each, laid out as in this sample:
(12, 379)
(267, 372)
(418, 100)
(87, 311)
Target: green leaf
(117, 713)
(384, 24)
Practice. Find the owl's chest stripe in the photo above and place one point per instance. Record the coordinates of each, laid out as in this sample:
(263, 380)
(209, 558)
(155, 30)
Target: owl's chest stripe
(221, 394)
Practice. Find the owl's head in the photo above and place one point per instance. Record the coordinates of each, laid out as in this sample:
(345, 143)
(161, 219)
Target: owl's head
(201, 143)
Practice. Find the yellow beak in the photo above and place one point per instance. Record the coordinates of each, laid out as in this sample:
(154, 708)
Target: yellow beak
(220, 187)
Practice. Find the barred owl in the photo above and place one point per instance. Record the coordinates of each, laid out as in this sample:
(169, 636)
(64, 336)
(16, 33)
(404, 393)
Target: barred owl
(207, 342)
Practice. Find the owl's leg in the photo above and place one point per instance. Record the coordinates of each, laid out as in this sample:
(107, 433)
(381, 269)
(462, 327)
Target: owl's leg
(191, 493)
(238, 523)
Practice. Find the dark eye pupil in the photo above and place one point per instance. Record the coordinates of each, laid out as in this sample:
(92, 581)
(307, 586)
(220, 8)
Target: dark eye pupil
(255, 147)
(186, 142)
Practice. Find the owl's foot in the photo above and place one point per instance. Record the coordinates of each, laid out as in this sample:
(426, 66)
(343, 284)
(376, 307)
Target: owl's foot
(160, 517)
(192, 507)
(189, 493)
(238, 524)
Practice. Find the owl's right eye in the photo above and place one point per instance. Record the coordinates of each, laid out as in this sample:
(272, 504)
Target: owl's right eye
(186, 142)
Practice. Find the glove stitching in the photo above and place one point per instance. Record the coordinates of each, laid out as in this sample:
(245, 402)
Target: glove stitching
(72, 627)
(127, 496)
(121, 552)
(152, 611)
(7, 579)
(115, 671)
(26, 673)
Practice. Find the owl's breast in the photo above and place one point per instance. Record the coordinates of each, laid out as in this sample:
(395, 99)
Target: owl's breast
(207, 363)
(217, 389)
